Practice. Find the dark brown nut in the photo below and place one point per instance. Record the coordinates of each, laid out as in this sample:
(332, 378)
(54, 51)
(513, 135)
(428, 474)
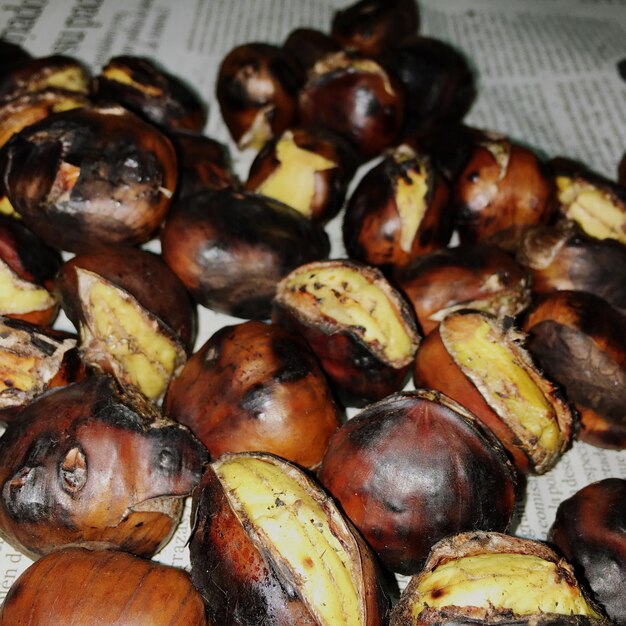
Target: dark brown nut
(139, 84)
(308, 169)
(480, 277)
(256, 387)
(33, 360)
(135, 319)
(27, 270)
(57, 71)
(90, 465)
(90, 177)
(503, 189)
(621, 171)
(269, 546)
(481, 362)
(203, 163)
(414, 468)
(397, 212)
(438, 82)
(359, 326)
(107, 588)
(372, 26)
(11, 55)
(308, 45)
(491, 578)
(589, 529)
(580, 342)
(257, 91)
(563, 257)
(231, 248)
(355, 97)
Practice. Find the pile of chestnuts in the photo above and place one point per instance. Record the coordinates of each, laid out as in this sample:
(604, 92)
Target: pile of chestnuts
(364, 416)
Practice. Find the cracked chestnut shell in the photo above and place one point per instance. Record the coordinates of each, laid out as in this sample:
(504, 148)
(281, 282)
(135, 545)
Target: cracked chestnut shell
(108, 588)
(483, 364)
(257, 91)
(413, 468)
(492, 578)
(479, 277)
(255, 386)
(589, 529)
(90, 177)
(398, 211)
(230, 249)
(359, 326)
(580, 341)
(268, 545)
(144, 87)
(90, 465)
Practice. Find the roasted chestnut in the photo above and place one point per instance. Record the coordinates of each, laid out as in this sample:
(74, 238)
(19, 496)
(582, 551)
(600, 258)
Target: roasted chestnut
(129, 329)
(231, 248)
(269, 546)
(309, 45)
(308, 169)
(257, 90)
(398, 211)
(481, 362)
(107, 588)
(91, 465)
(580, 341)
(90, 177)
(12, 54)
(256, 387)
(357, 98)
(413, 468)
(589, 529)
(489, 578)
(479, 277)
(139, 84)
(360, 327)
(621, 171)
(503, 189)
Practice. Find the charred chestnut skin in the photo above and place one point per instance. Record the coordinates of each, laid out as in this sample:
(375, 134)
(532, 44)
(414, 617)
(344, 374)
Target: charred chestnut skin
(413, 468)
(91, 466)
(580, 342)
(142, 86)
(255, 386)
(114, 588)
(90, 177)
(589, 529)
(230, 249)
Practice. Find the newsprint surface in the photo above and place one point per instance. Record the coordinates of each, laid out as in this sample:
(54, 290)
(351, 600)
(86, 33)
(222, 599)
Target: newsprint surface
(548, 75)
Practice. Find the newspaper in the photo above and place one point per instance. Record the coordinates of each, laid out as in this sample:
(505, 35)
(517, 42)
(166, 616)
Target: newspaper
(547, 73)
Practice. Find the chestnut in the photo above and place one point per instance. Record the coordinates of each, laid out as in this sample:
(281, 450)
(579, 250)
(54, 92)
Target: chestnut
(492, 578)
(372, 26)
(309, 45)
(589, 529)
(255, 387)
(128, 328)
(78, 586)
(580, 341)
(270, 547)
(307, 168)
(471, 276)
(414, 467)
(92, 465)
(90, 177)
(12, 54)
(621, 171)
(562, 256)
(257, 90)
(27, 270)
(359, 326)
(503, 189)
(356, 97)
(482, 363)
(144, 87)
(231, 248)
(398, 211)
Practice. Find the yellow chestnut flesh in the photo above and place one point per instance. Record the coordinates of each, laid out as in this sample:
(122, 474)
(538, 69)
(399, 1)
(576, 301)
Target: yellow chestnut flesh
(21, 296)
(411, 202)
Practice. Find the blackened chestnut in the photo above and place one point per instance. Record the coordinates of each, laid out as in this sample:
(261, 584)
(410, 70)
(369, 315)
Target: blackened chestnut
(255, 386)
(414, 468)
